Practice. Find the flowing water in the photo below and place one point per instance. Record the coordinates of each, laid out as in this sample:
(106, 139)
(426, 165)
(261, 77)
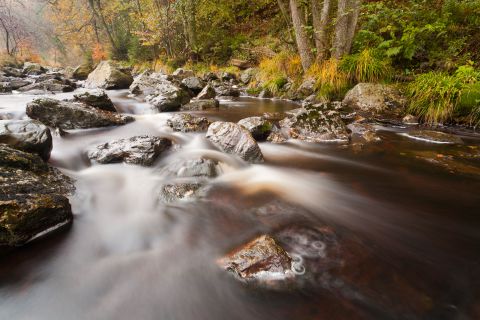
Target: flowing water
(404, 233)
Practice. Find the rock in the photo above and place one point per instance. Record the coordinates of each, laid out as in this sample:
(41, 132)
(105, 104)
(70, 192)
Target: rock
(363, 132)
(141, 150)
(258, 127)
(227, 76)
(195, 84)
(72, 115)
(33, 197)
(82, 71)
(180, 191)
(247, 76)
(181, 73)
(13, 84)
(227, 91)
(265, 94)
(27, 135)
(240, 64)
(235, 139)
(373, 98)
(307, 88)
(315, 124)
(260, 259)
(201, 105)
(277, 137)
(210, 76)
(168, 97)
(433, 137)
(12, 72)
(97, 99)
(51, 85)
(146, 83)
(197, 168)
(30, 68)
(410, 120)
(207, 93)
(185, 122)
(108, 76)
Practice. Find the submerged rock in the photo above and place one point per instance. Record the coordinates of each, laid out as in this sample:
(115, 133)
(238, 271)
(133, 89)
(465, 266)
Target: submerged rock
(97, 99)
(180, 191)
(372, 98)
(27, 135)
(141, 150)
(197, 168)
(33, 197)
(235, 139)
(201, 105)
(72, 115)
(318, 123)
(433, 137)
(410, 120)
(363, 132)
(185, 122)
(259, 127)
(262, 258)
(108, 76)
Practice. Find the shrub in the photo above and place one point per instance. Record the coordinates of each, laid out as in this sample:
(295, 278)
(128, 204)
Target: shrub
(367, 66)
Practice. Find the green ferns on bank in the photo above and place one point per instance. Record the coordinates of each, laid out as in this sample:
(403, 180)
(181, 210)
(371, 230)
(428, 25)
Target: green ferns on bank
(438, 97)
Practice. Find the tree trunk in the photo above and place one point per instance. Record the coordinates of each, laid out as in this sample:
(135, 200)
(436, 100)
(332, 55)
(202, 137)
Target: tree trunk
(99, 16)
(341, 29)
(352, 24)
(303, 43)
(283, 5)
(320, 17)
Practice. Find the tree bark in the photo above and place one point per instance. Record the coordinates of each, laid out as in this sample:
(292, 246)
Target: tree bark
(303, 43)
(352, 24)
(283, 5)
(320, 18)
(341, 30)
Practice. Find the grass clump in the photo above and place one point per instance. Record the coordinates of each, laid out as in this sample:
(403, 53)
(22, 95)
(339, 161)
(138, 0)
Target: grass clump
(330, 80)
(275, 72)
(438, 97)
(367, 66)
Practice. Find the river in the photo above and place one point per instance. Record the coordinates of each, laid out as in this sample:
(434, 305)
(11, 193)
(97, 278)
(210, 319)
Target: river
(405, 238)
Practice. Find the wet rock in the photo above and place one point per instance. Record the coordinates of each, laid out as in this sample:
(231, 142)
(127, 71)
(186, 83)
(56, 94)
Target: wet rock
(82, 71)
(185, 122)
(27, 135)
(201, 105)
(195, 84)
(259, 127)
(141, 150)
(210, 76)
(207, 93)
(12, 72)
(197, 168)
(306, 89)
(168, 97)
(146, 82)
(234, 139)
(318, 123)
(108, 76)
(265, 94)
(247, 76)
(51, 85)
(227, 76)
(72, 115)
(410, 120)
(33, 197)
(30, 68)
(174, 192)
(260, 259)
(12, 84)
(434, 137)
(226, 90)
(277, 137)
(363, 133)
(373, 98)
(181, 73)
(97, 99)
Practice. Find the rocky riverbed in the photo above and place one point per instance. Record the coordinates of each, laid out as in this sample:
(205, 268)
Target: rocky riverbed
(179, 197)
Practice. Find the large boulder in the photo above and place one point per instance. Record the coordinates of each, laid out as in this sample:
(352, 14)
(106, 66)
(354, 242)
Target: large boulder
(374, 98)
(146, 82)
(235, 139)
(49, 85)
(195, 84)
(185, 122)
(201, 105)
(318, 123)
(141, 150)
(33, 197)
(260, 259)
(68, 115)
(247, 76)
(97, 99)
(11, 84)
(259, 127)
(27, 135)
(108, 76)
(208, 92)
(226, 90)
(12, 72)
(30, 68)
(82, 71)
(168, 97)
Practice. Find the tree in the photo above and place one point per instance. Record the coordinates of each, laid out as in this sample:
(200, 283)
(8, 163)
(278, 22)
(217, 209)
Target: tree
(303, 42)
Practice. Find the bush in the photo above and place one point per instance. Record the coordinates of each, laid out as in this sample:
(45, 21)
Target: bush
(367, 66)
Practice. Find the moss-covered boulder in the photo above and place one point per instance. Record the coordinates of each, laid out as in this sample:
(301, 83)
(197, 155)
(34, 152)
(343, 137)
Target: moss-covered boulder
(259, 127)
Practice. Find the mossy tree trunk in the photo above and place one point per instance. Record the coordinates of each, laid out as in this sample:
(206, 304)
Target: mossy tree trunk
(303, 42)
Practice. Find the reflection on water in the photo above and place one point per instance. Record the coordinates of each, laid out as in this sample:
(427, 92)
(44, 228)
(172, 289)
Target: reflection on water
(381, 235)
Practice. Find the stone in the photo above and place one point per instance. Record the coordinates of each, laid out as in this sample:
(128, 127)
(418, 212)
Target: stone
(181, 73)
(240, 64)
(33, 197)
(207, 93)
(372, 98)
(307, 88)
(225, 90)
(185, 122)
(210, 76)
(410, 120)
(30, 68)
(201, 105)
(260, 259)
(259, 127)
(97, 99)
(141, 150)
(318, 124)
(13, 84)
(51, 85)
(277, 137)
(12, 72)
(82, 71)
(234, 139)
(247, 76)
(195, 84)
(146, 82)
(265, 94)
(168, 97)
(68, 115)
(435, 137)
(197, 168)
(108, 76)
(180, 191)
(27, 135)
(363, 132)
